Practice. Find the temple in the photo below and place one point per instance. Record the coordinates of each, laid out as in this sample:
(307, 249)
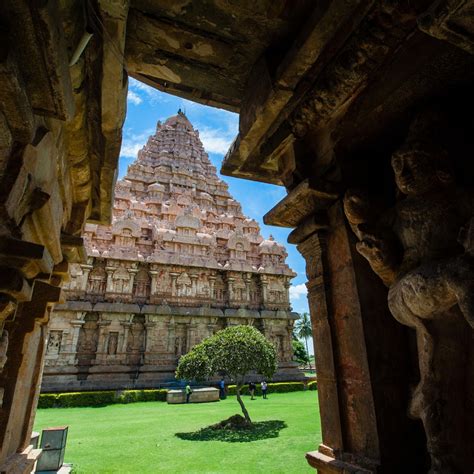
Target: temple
(178, 262)
(361, 110)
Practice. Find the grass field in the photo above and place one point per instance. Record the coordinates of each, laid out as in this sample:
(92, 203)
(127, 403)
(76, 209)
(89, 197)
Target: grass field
(155, 437)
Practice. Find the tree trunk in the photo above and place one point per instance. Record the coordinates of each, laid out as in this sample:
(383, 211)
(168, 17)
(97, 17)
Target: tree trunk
(241, 403)
(307, 352)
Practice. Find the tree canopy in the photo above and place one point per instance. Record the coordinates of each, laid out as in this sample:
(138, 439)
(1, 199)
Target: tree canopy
(299, 352)
(304, 330)
(235, 351)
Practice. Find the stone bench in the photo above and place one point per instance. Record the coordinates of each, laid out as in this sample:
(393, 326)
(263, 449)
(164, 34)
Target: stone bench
(199, 395)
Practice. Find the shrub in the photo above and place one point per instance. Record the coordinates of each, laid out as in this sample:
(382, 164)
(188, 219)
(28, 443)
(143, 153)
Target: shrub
(99, 398)
(47, 400)
(312, 385)
(278, 387)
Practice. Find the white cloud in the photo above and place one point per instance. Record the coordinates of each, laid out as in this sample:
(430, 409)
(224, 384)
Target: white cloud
(297, 291)
(134, 98)
(132, 143)
(216, 140)
(145, 93)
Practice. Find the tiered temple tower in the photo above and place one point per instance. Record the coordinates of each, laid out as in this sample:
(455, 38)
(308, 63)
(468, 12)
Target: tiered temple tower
(179, 262)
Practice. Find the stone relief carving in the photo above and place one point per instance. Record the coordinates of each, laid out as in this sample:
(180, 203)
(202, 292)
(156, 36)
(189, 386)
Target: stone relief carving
(54, 342)
(97, 280)
(89, 335)
(422, 249)
(142, 283)
(112, 343)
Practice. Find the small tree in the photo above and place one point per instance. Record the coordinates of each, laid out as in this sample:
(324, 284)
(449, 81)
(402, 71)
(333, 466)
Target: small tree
(304, 330)
(299, 352)
(234, 351)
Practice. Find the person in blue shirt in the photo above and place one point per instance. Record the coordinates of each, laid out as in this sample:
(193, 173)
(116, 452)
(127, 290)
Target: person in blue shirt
(222, 388)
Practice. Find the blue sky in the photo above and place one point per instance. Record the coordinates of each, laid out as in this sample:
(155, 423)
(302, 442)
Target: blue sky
(217, 128)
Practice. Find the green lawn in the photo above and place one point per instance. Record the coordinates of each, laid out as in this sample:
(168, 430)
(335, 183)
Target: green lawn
(141, 437)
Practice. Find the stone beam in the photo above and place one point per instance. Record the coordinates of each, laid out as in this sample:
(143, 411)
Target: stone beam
(183, 62)
(270, 98)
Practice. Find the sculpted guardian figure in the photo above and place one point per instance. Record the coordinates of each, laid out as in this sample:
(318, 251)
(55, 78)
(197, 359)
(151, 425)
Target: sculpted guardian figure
(423, 250)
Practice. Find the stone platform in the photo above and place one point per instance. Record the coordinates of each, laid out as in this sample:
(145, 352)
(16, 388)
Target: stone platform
(199, 395)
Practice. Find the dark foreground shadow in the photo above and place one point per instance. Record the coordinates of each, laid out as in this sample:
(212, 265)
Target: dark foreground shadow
(260, 430)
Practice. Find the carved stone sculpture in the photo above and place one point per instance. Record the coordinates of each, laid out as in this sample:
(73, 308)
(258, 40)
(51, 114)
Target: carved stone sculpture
(422, 249)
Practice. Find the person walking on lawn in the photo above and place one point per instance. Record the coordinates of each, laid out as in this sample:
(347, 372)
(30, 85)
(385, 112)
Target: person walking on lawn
(222, 389)
(264, 388)
(188, 392)
(252, 387)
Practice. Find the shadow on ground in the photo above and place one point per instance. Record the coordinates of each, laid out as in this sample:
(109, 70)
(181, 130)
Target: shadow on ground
(260, 430)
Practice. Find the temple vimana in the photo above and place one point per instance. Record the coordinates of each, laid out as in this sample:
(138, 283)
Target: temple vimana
(360, 110)
(178, 262)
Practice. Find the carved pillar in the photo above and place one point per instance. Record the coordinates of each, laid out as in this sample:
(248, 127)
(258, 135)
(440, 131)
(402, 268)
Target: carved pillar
(194, 278)
(153, 283)
(230, 288)
(110, 283)
(132, 272)
(264, 287)
(101, 354)
(86, 269)
(287, 292)
(212, 281)
(173, 276)
(126, 328)
(76, 328)
(351, 323)
(149, 336)
(21, 375)
(248, 281)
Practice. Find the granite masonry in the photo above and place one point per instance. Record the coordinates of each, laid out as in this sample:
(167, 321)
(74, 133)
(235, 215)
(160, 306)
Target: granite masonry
(179, 262)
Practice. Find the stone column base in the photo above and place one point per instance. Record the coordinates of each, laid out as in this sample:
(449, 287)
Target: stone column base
(328, 465)
(21, 463)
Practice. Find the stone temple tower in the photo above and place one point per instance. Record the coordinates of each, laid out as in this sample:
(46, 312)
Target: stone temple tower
(179, 262)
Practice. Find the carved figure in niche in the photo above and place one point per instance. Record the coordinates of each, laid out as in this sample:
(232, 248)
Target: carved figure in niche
(183, 284)
(97, 281)
(416, 248)
(3, 349)
(121, 279)
(112, 344)
(54, 342)
(88, 339)
(142, 283)
(136, 339)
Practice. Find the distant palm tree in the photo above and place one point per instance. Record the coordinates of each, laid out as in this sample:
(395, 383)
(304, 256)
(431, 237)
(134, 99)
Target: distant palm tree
(304, 330)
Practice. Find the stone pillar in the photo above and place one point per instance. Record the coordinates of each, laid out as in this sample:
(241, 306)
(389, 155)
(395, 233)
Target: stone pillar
(362, 368)
(101, 354)
(110, 284)
(287, 292)
(230, 288)
(21, 376)
(86, 269)
(126, 328)
(248, 281)
(194, 278)
(153, 276)
(76, 329)
(212, 281)
(173, 276)
(264, 286)
(132, 272)
(149, 336)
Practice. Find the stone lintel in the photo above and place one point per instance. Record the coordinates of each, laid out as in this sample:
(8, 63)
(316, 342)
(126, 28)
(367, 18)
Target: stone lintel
(328, 465)
(306, 199)
(29, 258)
(269, 101)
